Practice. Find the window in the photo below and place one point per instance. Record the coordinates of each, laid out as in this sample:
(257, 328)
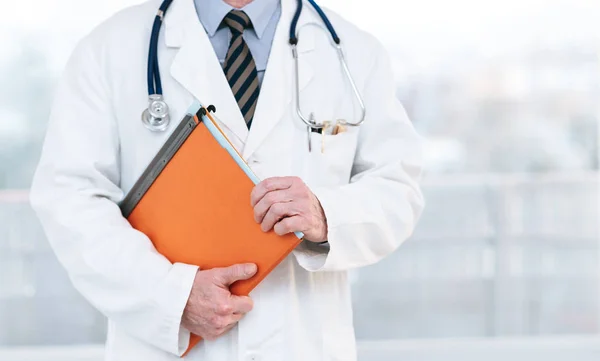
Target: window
(506, 95)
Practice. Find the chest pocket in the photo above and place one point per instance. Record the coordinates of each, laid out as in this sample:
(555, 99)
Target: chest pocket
(330, 160)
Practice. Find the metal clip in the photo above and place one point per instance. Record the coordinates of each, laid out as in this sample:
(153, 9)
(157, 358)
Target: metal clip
(311, 118)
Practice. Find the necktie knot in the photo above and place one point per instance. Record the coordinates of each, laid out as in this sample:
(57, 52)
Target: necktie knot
(237, 21)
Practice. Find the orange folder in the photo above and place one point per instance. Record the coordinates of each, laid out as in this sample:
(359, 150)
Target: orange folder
(193, 202)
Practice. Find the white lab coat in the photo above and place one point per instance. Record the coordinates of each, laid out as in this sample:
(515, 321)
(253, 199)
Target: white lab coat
(96, 148)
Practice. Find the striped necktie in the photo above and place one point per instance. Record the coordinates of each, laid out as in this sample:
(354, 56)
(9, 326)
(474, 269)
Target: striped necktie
(239, 66)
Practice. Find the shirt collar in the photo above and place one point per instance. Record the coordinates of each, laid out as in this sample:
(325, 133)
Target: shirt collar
(260, 13)
(212, 12)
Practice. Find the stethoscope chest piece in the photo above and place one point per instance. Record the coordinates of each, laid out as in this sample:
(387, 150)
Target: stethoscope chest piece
(156, 116)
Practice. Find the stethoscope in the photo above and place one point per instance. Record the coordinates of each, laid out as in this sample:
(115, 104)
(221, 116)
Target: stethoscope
(156, 117)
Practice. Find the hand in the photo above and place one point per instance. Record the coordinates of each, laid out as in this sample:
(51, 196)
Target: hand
(285, 204)
(211, 309)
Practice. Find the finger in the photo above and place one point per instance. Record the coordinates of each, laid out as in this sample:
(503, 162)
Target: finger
(222, 331)
(269, 185)
(229, 320)
(262, 207)
(241, 304)
(275, 213)
(228, 275)
(289, 225)
(216, 332)
(236, 317)
(224, 308)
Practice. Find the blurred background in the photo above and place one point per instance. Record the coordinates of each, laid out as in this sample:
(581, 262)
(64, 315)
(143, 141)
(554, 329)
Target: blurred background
(505, 263)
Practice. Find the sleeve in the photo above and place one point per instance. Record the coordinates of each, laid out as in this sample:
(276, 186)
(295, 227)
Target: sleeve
(74, 194)
(371, 216)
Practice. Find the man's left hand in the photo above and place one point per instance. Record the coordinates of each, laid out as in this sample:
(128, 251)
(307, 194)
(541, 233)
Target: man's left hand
(285, 204)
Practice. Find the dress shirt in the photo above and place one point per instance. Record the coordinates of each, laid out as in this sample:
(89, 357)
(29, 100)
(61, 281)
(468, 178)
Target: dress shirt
(264, 15)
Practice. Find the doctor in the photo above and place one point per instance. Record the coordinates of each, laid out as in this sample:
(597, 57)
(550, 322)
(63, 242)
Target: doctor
(354, 194)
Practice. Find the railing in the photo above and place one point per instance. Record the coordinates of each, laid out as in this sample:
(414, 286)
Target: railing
(494, 255)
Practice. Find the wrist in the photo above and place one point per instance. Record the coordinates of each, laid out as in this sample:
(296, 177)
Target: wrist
(188, 310)
(319, 235)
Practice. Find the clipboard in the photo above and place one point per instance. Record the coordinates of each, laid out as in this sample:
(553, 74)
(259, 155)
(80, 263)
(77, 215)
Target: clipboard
(193, 202)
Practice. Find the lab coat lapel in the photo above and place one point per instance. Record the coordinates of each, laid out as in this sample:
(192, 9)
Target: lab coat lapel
(197, 68)
(278, 87)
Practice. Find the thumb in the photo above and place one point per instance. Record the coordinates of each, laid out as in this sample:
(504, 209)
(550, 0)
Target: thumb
(237, 272)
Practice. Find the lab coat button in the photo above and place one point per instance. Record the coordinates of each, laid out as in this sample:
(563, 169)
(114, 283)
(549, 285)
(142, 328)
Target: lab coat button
(252, 356)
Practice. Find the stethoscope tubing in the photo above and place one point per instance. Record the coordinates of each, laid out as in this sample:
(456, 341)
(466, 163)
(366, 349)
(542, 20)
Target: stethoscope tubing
(309, 121)
(153, 73)
(154, 82)
(294, 23)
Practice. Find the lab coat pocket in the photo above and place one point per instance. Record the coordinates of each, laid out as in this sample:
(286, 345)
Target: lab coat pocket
(331, 157)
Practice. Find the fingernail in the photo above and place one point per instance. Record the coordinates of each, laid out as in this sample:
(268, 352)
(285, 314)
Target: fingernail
(250, 269)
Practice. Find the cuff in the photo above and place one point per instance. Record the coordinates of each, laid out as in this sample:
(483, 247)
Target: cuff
(173, 297)
(310, 256)
(314, 256)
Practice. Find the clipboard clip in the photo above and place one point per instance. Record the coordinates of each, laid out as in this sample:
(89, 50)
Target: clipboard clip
(211, 108)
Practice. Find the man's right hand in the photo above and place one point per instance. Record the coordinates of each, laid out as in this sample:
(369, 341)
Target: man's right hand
(211, 309)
